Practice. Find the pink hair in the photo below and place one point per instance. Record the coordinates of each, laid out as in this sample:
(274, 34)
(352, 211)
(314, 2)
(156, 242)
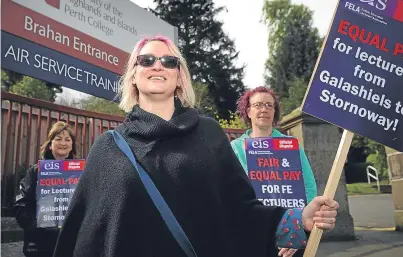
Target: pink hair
(243, 104)
(145, 40)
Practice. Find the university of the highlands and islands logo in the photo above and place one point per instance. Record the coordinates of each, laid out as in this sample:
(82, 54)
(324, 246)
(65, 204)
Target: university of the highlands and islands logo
(54, 3)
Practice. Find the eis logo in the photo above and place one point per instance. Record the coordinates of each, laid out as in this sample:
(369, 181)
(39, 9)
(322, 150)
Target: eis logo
(54, 3)
(257, 145)
(52, 166)
(260, 144)
(391, 8)
(379, 4)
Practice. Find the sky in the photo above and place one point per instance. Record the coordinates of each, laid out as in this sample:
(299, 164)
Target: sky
(242, 24)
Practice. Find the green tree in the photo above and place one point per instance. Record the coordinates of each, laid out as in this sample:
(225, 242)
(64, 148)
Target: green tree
(234, 121)
(209, 52)
(96, 104)
(17, 83)
(9, 78)
(65, 101)
(204, 101)
(294, 46)
(374, 154)
(4, 80)
(35, 88)
(378, 158)
(296, 92)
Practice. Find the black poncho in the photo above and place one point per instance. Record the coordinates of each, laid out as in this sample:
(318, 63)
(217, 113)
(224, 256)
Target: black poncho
(191, 162)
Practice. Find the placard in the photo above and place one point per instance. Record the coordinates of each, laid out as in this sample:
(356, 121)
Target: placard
(275, 171)
(57, 181)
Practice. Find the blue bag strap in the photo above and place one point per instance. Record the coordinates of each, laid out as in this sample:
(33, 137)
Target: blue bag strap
(157, 198)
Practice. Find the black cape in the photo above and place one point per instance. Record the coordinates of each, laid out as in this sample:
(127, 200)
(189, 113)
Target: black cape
(192, 164)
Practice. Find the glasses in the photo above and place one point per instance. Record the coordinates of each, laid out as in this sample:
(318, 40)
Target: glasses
(259, 105)
(167, 61)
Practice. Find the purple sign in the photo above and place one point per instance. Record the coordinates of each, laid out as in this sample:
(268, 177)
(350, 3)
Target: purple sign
(274, 169)
(358, 81)
(57, 181)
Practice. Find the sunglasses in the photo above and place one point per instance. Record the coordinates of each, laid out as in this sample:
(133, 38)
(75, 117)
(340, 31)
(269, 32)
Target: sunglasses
(167, 61)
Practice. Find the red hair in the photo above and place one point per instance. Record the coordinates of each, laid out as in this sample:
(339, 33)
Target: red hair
(243, 104)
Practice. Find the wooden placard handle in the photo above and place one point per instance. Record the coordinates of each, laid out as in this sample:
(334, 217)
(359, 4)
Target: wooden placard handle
(331, 188)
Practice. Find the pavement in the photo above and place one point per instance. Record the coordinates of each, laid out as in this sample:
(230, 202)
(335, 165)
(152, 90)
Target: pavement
(372, 211)
(12, 249)
(374, 229)
(369, 243)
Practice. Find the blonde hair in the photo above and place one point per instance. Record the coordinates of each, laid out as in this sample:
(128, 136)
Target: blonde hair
(54, 131)
(128, 92)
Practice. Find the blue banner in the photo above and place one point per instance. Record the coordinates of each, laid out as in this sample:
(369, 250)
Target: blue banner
(57, 181)
(40, 62)
(275, 171)
(358, 82)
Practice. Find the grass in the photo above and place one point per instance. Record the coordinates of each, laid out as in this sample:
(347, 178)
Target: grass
(364, 188)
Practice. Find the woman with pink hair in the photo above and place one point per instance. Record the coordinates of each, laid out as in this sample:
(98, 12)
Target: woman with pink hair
(260, 109)
(167, 183)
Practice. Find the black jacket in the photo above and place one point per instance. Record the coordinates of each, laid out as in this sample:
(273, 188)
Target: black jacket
(37, 241)
(191, 162)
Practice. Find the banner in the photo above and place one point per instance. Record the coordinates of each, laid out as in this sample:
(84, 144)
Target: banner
(57, 181)
(119, 23)
(79, 44)
(43, 63)
(275, 171)
(357, 84)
